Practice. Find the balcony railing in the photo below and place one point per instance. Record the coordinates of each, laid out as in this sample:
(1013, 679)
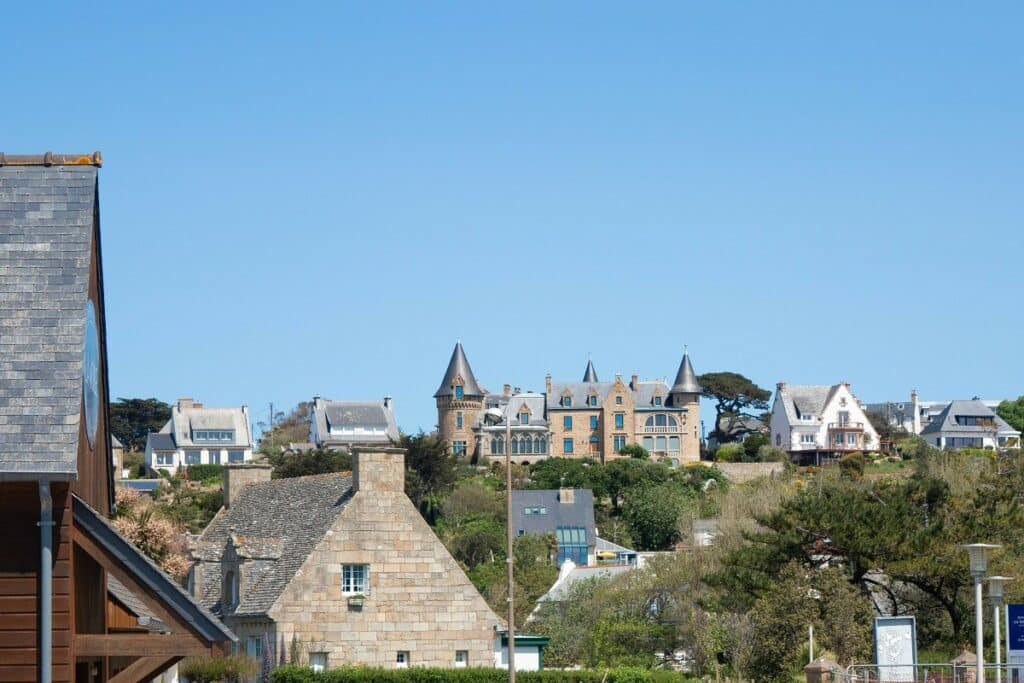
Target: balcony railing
(660, 430)
(846, 426)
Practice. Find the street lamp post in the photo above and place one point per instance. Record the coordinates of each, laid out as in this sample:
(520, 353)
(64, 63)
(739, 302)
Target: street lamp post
(978, 553)
(495, 416)
(995, 591)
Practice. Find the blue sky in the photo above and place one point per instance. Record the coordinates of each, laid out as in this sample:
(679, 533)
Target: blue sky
(322, 198)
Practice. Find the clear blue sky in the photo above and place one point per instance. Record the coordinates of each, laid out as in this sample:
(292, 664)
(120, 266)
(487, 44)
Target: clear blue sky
(323, 198)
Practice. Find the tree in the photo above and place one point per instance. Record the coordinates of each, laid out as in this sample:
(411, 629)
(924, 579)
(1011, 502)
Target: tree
(533, 573)
(780, 618)
(554, 473)
(735, 397)
(160, 538)
(290, 428)
(654, 512)
(319, 461)
(132, 419)
(1013, 413)
(635, 450)
(886, 430)
(430, 471)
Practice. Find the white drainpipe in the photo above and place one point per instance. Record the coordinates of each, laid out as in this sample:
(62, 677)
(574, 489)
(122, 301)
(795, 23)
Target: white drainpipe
(45, 583)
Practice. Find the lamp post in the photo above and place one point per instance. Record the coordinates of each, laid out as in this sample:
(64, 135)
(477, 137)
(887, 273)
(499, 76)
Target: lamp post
(495, 416)
(978, 553)
(995, 592)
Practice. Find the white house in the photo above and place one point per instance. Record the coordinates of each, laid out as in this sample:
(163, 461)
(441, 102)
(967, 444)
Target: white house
(915, 415)
(811, 421)
(197, 435)
(344, 424)
(970, 424)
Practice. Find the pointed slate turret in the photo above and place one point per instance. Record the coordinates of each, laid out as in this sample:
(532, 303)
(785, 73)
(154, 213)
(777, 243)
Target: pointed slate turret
(458, 366)
(686, 378)
(591, 374)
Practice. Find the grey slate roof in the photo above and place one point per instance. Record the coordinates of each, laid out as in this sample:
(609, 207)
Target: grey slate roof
(158, 441)
(686, 378)
(580, 512)
(352, 414)
(805, 399)
(510, 406)
(46, 234)
(286, 516)
(590, 374)
(565, 583)
(945, 422)
(458, 366)
(185, 420)
(579, 392)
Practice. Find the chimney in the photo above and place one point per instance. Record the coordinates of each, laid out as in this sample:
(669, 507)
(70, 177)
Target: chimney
(633, 382)
(237, 477)
(547, 383)
(507, 390)
(377, 469)
(916, 419)
(517, 390)
(387, 401)
(184, 403)
(566, 496)
(779, 386)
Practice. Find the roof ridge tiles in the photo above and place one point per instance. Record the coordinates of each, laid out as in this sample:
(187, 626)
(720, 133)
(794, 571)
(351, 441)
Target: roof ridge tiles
(51, 159)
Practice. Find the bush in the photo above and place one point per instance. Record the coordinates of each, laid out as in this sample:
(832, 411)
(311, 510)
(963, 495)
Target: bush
(227, 669)
(634, 450)
(852, 465)
(299, 674)
(730, 452)
(208, 474)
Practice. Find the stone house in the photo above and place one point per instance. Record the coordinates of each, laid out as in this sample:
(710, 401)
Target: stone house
(345, 565)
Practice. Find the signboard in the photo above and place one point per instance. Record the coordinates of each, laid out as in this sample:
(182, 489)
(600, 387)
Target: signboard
(895, 648)
(1015, 643)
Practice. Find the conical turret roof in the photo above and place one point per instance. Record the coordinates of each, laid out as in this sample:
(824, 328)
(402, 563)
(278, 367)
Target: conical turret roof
(458, 367)
(686, 378)
(591, 374)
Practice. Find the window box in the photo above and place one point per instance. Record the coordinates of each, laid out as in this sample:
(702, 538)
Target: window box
(356, 602)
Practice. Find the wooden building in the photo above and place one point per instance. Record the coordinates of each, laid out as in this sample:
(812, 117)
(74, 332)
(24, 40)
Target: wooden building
(59, 555)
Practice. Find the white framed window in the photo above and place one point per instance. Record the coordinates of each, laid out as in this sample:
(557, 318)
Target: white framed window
(164, 458)
(236, 456)
(461, 659)
(213, 456)
(192, 457)
(807, 438)
(318, 661)
(459, 447)
(355, 579)
(402, 659)
(851, 439)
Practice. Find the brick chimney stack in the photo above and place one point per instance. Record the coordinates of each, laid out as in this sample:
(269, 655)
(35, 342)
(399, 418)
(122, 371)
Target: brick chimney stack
(237, 477)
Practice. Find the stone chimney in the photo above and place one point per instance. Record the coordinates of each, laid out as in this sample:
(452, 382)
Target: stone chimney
(237, 477)
(547, 383)
(566, 496)
(634, 381)
(185, 403)
(387, 401)
(517, 390)
(916, 419)
(507, 390)
(377, 468)
(779, 386)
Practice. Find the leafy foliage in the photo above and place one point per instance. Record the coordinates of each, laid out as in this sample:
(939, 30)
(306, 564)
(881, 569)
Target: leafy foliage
(132, 419)
(735, 396)
(207, 474)
(151, 531)
(319, 461)
(634, 450)
(1013, 412)
(361, 674)
(290, 428)
(221, 669)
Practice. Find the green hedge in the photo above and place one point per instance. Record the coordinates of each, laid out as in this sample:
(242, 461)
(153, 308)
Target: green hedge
(208, 474)
(300, 674)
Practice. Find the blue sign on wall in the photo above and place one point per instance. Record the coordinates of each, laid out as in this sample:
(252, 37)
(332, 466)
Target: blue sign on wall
(1015, 627)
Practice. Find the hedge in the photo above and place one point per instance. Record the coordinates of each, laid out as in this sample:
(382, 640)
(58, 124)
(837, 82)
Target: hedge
(358, 674)
(208, 474)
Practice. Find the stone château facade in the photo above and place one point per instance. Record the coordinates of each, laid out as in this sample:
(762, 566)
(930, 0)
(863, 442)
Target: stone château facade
(586, 419)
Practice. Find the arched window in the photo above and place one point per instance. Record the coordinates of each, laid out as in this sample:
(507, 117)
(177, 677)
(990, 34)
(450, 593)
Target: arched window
(649, 422)
(515, 446)
(543, 446)
(536, 445)
(672, 422)
(659, 420)
(526, 446)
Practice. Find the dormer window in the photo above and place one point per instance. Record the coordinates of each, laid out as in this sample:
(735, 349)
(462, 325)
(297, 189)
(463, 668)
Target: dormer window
(213, 435)
(524, 418)
(592, 400)
(657, 400)
(567, 401)
(230, 589)
(459, 391)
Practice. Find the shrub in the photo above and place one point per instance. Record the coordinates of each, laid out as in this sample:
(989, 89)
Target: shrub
(208, 474)
(298, 674)
(226, 669)
(730, 452)
(852, 465)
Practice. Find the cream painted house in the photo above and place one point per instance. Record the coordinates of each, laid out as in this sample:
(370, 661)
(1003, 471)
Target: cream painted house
(344, 565)
(811, 421)
(200, 435)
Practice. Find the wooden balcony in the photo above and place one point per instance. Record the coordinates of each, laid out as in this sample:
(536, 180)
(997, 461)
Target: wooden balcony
(846, 426)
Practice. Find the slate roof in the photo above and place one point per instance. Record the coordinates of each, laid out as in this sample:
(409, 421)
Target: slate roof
(158, 441)
(644, 393)
(805, 399)
(570, 575)
(458, 366)
(286, 516)
(580, 512)
(186, 419)
(686, 378)
(579, 392)
(945, 422)
(46, 234)
(590, 374)
(510, 406)
(353, 414)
